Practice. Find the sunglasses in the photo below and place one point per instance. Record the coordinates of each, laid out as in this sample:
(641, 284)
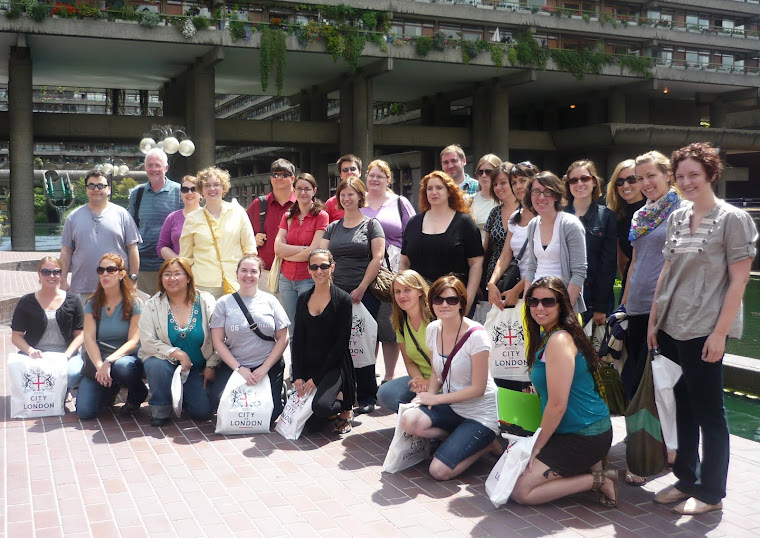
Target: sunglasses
(111, 269)
(48, 272)
(280, 175)
(323, 266)
(451, 301)
(185, 190)
(631, 180)
(584, 179)
(349, 169)
(548, 302)
(99, 186)
(485, 172)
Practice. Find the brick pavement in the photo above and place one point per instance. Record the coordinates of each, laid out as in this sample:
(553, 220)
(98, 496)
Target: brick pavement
(119, 476)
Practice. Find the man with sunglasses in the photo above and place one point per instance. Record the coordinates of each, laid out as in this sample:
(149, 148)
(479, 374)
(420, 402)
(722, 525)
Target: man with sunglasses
(92, 230)
(149, 205)
(348, 165)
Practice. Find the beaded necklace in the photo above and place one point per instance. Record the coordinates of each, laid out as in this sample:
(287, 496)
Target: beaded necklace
(190, 324)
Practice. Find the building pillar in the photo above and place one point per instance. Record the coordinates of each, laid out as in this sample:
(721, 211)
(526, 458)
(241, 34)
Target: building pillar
(144, 103)
(499, 131)
(616, 107)
(200, 116)
(490, 122)
(356, 118)
(21, 153)
(480, 126)
(313, 158)
(718, 114)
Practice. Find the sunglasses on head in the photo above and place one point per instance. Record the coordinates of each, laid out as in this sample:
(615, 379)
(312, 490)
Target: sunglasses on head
(631, 180)
(323, 266)
(548, 302)
(486, 172)
(48, 272)
(452, 301)
(584, 179)
(185, 190)
(111, 269)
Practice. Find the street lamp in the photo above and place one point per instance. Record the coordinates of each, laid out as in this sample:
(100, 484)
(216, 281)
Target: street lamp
(169, 139)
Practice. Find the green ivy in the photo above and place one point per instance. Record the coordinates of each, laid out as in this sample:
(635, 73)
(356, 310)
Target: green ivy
(423, 46)
(497, 55)
(638, 65)
(201, 22)
(272, 57)
(528, 52)
(237, 30)
(469, 50)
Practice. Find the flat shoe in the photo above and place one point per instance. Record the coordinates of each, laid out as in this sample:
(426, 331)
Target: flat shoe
(635, 480)
(129, 408)
(670, 494)
(365, 409)
(693, 507)
(157, 422)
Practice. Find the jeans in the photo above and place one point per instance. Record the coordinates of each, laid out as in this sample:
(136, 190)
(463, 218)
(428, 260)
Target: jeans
(699, 410)
(200, 403)
(466, 436)
(74, 371)
(125, 372)
(289, 292)
(276, 378)
(395, 392)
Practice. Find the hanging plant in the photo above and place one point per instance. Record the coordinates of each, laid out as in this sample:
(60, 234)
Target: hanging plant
(497, 55)
(272, 57)
(238, 30)
(582, 62)
(469, 51)
(528, 52)
(423, 46)
(638, 65)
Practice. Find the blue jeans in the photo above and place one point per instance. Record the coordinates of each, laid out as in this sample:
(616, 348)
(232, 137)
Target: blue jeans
(466, 436)
(395, 392)
(289, 292)
(74, 371)
(199, 403)
(126, 372)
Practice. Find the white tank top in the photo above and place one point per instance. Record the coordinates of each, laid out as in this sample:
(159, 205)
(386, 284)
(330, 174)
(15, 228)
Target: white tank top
(547, 261)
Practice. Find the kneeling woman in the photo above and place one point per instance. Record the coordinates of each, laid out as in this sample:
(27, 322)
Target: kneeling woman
(320, 355)
(174, 330)
(576, 432)
(461, 399)
(253, 350)
(111, 337)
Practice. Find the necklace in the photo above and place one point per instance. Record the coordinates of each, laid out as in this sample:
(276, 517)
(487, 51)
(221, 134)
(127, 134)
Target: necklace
(190, 324)
(440, 352)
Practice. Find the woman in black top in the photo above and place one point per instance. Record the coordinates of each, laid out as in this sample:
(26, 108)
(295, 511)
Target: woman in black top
(321, 361)
(443, 238)
(624, 198)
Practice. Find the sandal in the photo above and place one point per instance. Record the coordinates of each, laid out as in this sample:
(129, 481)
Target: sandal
(343, 425)
(599, 479)
(635, 480)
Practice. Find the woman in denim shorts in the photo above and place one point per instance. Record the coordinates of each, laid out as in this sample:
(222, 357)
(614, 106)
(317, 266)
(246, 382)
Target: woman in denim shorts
(460, 404)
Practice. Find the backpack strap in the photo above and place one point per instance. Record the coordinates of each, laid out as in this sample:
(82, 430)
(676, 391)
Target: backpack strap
(262, 211)
(138, 201)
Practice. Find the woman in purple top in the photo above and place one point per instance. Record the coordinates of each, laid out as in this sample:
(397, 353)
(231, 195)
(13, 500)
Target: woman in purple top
(168, 241)
(393, 212)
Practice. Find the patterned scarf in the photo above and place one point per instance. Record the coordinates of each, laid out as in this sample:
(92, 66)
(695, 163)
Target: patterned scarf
(651, 215)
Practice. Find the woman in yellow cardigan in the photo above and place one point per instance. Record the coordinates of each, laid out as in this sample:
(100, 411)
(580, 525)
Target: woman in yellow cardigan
(215, 257)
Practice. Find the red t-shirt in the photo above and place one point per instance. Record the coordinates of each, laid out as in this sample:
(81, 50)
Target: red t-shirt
(272, 219)
(331, 206)
(301, 234)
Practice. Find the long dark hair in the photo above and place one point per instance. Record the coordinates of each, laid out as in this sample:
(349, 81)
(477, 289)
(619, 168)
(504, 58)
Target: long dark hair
(568, 321)
(128, 293)
(318, 205)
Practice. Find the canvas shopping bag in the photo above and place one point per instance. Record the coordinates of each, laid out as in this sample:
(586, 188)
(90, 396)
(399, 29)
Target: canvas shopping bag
(597, 334)
(644, 449)
(363, 336)
(405, 450)
(508, 469)
(178, 379)
(38, 386)
(245, 409)
(294, 416)
(507, 356)
(665, 375)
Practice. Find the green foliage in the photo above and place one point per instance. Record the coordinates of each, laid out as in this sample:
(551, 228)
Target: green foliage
(354, 45)
(397, 109)
(497, 55)
(439, 41)
(150, 19)
(201, 22)
(423, 46)
(273, 57)
(469, 50)
(638, 65)
(512, 56)
(38, 12)
(88, 11)
(341, 13)
(120, 191)
(80, 193)
(583, 62)
(237, 30)
(529, 53)
(369, 20)
(40, 213)
(14, 12)
(482, 45)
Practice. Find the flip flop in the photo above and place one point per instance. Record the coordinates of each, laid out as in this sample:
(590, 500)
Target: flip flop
(635, 480)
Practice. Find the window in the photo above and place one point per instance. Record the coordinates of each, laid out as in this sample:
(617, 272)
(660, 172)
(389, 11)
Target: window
(700, 21)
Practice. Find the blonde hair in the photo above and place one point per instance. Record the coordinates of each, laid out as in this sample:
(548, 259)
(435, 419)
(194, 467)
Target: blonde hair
(614, 202)
(205, 175)
(414, 280)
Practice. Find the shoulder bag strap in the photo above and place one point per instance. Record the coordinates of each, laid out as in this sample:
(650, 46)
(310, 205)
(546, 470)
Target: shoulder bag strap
(138, 201)
(457, 347)
(251, 324)
(216, 246)
(416, 344)
(262, 211)
(522, 250)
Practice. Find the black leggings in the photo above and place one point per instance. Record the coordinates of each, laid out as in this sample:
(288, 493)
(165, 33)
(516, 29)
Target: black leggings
(326, 403)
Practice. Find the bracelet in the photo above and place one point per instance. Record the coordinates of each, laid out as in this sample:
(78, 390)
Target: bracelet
(239, 366)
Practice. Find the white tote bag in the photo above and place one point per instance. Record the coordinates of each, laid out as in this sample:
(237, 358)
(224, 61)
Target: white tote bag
(596, 333)
(245, 409)
(294, 416)
(38, 386)
(481, 311)
(665, 375)
(507, 357)
(363, 336)
(508, 469)
(178, 379)
(405, 450)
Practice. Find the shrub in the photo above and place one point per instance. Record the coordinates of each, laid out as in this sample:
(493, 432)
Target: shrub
(423, 46)
(150, 19)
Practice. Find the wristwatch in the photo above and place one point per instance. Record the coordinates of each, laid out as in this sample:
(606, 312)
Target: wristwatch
(133, 276)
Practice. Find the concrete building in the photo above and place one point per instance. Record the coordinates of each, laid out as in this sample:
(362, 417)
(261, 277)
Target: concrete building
(546, 81)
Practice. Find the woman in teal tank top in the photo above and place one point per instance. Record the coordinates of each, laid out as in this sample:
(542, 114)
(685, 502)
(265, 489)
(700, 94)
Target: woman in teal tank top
(576, 432)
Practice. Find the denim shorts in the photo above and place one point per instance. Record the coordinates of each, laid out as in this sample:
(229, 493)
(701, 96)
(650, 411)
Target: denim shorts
(466, 436)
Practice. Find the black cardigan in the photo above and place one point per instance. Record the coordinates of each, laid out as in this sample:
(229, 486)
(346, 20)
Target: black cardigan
(29, 318)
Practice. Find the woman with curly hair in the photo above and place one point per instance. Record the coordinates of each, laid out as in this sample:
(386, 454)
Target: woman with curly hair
(443, 238)
(576, 431)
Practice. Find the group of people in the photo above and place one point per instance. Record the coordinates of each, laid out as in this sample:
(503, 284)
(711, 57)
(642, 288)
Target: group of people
(683, 254)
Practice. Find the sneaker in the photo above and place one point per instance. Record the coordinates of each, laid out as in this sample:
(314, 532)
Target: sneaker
(129, 408)
(157, 422)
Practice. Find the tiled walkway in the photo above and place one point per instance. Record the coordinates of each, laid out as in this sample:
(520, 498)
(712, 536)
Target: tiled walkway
(121, 477)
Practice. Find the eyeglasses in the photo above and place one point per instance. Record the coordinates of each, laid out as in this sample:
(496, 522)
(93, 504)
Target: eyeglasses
(548, 302)
(304, 189)
(177, 274)
(631, 180)
(584, 179)
(537, 193)
(281, 175)
(99, 186)
(111, 269)
(212, 186)
(377, 176)
(485, 172)
(47, 272)
(452, 300)
(323, 266)
(185, 190)
(349, 169)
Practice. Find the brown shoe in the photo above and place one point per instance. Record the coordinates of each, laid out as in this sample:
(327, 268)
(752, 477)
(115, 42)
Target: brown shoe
(693, 507)
(670, 494)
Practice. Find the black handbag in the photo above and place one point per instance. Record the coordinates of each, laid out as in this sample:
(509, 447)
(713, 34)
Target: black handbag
(511, 276)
